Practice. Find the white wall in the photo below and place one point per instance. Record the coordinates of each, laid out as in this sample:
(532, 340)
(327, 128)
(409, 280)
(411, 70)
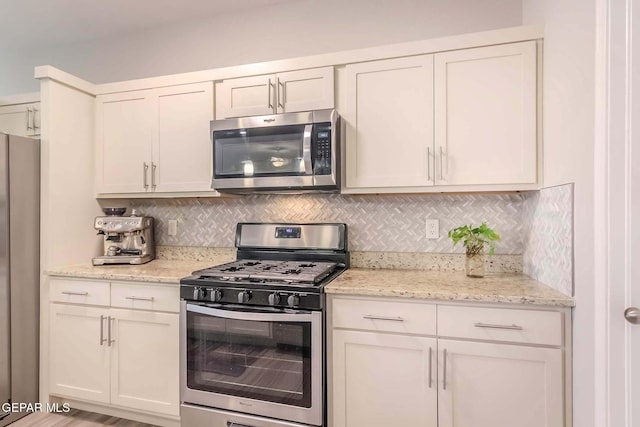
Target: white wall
(569, 108)
(276, 32)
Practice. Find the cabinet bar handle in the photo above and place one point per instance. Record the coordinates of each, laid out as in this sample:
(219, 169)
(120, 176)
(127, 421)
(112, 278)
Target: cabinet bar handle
(393, 319)
(140, 298)
(428, 164)
(441, 163)
(109, 340)
(145, 168)
(281, 97)
(29, 127)
(444, 370)
(82, 294)
(269, 103)
(489, 325)
(34, 120)
(153, 175)
(430, 366)
(102, 340)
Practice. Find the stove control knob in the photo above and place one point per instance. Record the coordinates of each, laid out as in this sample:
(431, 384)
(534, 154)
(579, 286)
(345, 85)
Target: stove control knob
(293, 300)
(244, 296)
(274, 298)
(215, 295)
(197, 293)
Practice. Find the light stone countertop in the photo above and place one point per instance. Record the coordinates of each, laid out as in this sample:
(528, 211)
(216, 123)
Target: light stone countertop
(510, 288)
(419, 276)
(156, 271)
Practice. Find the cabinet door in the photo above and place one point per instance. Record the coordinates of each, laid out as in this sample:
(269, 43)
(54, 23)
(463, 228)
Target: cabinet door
(21, 119)
(247, 96)
(305, 90)
(78, 359)
(181, 144)
(485, 115)
(499, 385)
(145, 361)
(383, 380)
(389, 119)
(123, 136)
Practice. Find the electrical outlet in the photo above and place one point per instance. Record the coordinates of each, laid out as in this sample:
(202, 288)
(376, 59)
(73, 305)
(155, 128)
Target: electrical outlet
(432, 228)
(173, 227)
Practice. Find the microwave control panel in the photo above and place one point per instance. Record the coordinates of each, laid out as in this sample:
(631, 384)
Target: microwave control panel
(321, 142)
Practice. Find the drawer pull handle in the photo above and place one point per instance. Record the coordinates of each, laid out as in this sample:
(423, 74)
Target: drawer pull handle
(489, 325)
(141, 298)
(393, 319)
(82, 294)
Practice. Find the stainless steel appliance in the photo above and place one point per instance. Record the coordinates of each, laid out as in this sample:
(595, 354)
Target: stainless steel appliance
(126, 239)
(252, 331)
(19, 272)
(294, 151)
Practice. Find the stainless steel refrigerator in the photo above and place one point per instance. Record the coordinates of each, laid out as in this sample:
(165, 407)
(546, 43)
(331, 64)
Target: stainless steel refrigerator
(19, 272)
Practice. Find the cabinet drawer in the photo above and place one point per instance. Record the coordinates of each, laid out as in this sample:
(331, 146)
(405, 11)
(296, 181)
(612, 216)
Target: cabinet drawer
(498, 324)
(79, 291)
(387, 316)
(145, 297)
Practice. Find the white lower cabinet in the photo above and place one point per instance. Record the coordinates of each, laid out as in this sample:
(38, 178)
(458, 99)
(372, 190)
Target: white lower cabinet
(143, 367)
(383, 380)
(385, 373)
(499, 385)
(79, 361)
(125, 358)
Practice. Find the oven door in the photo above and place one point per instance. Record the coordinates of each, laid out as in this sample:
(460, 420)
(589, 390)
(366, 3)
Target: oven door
(266, 362)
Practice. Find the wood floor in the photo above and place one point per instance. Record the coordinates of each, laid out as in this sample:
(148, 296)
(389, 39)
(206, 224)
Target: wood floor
(74, 418)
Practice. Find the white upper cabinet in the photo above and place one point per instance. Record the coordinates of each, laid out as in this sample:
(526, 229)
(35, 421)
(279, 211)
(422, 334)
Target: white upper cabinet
(389, 123)
(20, 119)
(462, 120)
(286, 92)
(182, 146)
(155, 140)
(124, 142)
(485, 115)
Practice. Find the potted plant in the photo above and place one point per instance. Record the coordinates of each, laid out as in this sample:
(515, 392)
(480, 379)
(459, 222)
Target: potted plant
(475, 239)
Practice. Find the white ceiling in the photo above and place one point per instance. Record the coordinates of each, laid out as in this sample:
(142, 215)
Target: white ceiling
(41, 23)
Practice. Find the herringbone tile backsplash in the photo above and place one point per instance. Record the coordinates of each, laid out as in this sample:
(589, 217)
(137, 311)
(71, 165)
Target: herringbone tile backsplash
(548, 237)
(390, 223)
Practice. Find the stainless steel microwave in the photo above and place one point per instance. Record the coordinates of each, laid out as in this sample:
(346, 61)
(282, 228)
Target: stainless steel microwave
(278, 153)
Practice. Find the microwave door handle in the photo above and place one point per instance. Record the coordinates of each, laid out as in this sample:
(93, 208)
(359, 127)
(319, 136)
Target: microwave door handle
(248, 315)
(306, 150)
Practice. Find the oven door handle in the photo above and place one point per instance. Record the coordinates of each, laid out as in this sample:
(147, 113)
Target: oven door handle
(249, 315)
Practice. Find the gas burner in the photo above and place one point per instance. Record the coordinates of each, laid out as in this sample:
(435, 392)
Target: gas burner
(274, 270)
(232, 269)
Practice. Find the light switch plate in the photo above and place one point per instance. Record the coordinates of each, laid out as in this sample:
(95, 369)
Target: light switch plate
(173, 227)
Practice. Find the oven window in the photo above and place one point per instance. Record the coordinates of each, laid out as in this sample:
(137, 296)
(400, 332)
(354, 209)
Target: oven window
(259, 152)
(268, 361)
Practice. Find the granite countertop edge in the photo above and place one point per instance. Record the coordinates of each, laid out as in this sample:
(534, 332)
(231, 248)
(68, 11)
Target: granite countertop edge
(510, 288)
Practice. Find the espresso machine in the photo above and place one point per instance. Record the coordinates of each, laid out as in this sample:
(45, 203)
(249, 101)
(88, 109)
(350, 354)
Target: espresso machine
(127, 239)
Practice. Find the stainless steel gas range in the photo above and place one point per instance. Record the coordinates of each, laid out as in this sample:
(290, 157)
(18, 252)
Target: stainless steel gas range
(252, 331)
